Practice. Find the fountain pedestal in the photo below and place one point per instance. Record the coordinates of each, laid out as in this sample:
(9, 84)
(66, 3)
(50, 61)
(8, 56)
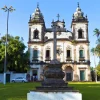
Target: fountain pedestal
(54, 96)
(54, 87)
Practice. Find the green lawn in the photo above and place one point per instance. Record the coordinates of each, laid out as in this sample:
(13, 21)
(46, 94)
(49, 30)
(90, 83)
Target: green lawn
(18, 91)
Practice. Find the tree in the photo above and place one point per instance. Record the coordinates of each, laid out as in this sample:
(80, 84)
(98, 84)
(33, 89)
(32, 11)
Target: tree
(98, 70)
(93, 74)
(17, 59)
(93, 51)
(96, 32)
(97, 48)
(97, 51)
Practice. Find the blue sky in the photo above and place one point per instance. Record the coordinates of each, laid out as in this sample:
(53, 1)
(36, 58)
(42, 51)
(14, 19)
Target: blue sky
(18, 20)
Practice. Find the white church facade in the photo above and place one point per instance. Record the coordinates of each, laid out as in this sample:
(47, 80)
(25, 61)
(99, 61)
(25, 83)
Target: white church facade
(72, 46)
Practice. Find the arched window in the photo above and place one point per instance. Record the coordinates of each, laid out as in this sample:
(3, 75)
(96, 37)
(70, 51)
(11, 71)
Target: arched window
(81, 54)
(68, 52)
(80, 35)
(47, 53)
(36, 34)
(35, 53)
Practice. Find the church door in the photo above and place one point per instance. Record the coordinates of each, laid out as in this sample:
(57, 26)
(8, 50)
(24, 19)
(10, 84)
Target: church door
(68, 76)
(35, 73)
(82, 75)
(69, 73)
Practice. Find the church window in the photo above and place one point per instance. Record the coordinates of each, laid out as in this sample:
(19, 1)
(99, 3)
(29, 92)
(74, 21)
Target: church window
(68, 53)
(35, 54)
(80, 35)
(36, 34)
(81, 53)
(47, 53)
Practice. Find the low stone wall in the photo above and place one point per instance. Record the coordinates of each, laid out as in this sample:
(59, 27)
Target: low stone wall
(1, 78)
(12, 76)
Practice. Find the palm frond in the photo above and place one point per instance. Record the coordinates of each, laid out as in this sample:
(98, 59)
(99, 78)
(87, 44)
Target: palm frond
(93, 51)
(97, 32)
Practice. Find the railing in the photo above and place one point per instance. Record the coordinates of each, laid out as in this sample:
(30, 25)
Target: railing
(68, 59)
(47, 58)
(81, 59)
(35, 60)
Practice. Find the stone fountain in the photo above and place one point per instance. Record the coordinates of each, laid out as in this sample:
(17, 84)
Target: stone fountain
(53, 79)
(54, 87)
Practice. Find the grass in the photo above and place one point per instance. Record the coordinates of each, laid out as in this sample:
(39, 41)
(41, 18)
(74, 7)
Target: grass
(90, 91)
(18, 91)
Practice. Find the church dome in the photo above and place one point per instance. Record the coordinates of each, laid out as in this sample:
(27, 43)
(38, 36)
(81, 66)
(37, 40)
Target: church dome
(78, 9)
(37, 16)
(78, 13)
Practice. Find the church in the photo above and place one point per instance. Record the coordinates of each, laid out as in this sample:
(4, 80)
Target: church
(72, 47)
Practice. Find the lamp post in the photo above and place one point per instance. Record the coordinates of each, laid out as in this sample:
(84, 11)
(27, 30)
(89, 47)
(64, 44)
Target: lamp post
(95, 66)
(6, 9)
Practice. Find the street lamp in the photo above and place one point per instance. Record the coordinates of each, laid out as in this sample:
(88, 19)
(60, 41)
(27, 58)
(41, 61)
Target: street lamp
(6, 9)
(95, 66)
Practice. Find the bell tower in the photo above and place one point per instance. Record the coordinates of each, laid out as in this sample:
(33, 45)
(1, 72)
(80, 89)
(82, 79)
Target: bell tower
(79, 25)
(36, 26)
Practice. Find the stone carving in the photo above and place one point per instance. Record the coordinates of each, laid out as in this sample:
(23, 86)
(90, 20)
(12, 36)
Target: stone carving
(54, 79)
(59, 51)
(55, 61)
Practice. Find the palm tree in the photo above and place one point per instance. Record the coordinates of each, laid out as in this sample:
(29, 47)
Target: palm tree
(93, 51)
(97, 51)
(97, 32)
(98, 41)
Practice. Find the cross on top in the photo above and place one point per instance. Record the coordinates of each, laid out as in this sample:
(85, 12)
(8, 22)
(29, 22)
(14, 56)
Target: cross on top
(58, 16)
(37, 5)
